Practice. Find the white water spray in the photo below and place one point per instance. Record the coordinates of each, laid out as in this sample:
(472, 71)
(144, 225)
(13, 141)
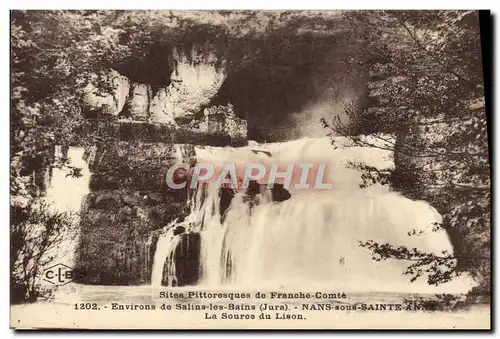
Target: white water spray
(312, 238)
(65, 193)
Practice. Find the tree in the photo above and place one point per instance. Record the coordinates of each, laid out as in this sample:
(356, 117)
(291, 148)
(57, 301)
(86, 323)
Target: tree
(426, 104)
(54, 54)
(36, 231)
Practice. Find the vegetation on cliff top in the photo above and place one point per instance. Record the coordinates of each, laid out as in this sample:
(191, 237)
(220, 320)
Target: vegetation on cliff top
(426, 88)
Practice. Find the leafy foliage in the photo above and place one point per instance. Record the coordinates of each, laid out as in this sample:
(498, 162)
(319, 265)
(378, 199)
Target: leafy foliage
(438, 269)
(426, 91)
(36, 232)
(54, 55)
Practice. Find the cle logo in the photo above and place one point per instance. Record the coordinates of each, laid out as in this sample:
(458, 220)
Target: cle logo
(61, 274)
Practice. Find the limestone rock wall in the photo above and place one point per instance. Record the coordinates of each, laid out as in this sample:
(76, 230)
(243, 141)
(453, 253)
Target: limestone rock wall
(107, 94)
(128, 202)
(221, 120)
(139, 101)
(187, 264)
(193, 83)
(195, 80)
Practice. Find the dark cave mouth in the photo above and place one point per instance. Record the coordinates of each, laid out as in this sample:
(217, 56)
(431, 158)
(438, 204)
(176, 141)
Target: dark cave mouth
(275, 80)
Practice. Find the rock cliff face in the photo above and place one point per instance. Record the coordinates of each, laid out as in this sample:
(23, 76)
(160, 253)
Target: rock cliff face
(221, 120)
(128, 202)
(195, 80)
(129, 199)
(107, 94)
(193, 83)
(138, 103)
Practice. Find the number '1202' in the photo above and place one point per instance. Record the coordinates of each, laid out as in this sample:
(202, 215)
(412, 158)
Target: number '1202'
(86, 306)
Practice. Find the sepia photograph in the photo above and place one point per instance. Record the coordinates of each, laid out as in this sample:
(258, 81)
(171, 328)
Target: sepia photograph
(250, 169)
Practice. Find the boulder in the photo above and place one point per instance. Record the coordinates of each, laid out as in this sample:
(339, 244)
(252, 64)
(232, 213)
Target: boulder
(161, 109)
(187, 263)
(137, 107)
(106, 94)
(196, 79)
(115, 246)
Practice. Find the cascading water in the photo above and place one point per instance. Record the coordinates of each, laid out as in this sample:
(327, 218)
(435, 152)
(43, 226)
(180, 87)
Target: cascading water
(166, 245)
(312, 238)
(65, 194)
(165, 248)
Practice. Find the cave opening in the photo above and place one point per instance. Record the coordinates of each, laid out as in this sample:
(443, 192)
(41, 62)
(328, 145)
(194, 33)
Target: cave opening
(271, 80)
(287, 75)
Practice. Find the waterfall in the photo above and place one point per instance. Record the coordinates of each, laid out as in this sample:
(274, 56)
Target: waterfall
(166, 245)
(65, 193)
(313, 237)
(165, 256)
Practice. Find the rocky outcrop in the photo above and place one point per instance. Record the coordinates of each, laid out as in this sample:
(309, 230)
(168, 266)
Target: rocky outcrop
(137, 107)
(221, 120)
(161, 108)
(195, 80)
(136, 165)
(107, 94)
(187, 260)
(128, 203)
(143, 131)
(116, 243)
